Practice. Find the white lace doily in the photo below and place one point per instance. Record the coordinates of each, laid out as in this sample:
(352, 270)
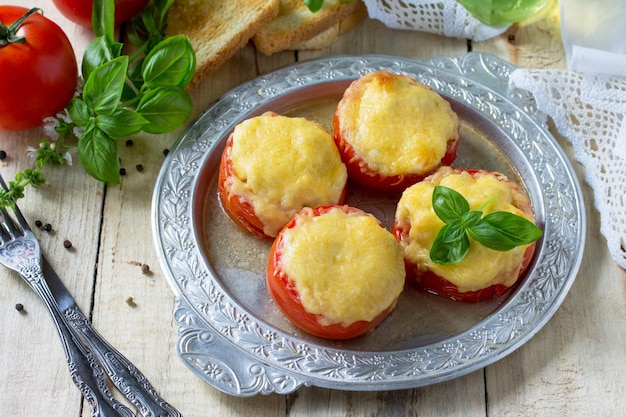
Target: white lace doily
(590, 110)
(442, 17)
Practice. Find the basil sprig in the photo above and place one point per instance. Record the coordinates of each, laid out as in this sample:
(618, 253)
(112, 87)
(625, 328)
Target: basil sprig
(500, 230)
(116, 105)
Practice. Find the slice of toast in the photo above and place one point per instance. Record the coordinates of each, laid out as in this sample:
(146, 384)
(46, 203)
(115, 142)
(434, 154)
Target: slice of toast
(330, 35)
(217, 29)
(296, 23)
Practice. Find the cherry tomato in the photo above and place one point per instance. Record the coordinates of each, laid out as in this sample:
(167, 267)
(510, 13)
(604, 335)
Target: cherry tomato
(435, 284)
(288, 300)
(79, 11)
(38, 69)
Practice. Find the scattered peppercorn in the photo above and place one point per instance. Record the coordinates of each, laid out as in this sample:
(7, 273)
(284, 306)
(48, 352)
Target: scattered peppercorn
(145, 269)
(129, 142)
(122, 171)
(166, 151)
(67, 244)
(38, 223)
(47, 227)
(139, 167)
(131, 302)
(3, 155)
(19, 307)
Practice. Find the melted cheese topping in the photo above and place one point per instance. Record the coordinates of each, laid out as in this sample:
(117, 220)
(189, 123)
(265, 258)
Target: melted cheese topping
(482, 267)
(283, 164)
(346, 267)
(397, 125)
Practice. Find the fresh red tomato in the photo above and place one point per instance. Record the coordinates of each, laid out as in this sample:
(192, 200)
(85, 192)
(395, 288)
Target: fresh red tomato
(38, 69)
(435, 284)
(79, 11)
(288, 300)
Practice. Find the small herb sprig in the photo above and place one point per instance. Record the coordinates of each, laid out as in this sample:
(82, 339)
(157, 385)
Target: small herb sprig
(316, 5)
(499, 230)
(122, 95)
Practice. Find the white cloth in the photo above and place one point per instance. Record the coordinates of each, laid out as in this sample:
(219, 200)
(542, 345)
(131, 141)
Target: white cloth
(590, 110)
(442, 17)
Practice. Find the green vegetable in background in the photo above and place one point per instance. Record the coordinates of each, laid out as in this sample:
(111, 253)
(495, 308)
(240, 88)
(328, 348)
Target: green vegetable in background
(500, 230)
(315, 5)
(122, 96)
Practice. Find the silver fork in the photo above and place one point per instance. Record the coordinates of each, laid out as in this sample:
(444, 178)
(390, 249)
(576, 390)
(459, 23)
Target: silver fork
(90, 358)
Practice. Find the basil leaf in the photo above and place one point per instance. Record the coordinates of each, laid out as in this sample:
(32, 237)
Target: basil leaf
(79, 112)
(104, 86)
(97, 53)
(450, 245)
(503, 231)
(314, 5)
(471, 218)
(122, 123)
(98, 154)
(165, 108)
(448, 204)
(172, 62)
(103, 19)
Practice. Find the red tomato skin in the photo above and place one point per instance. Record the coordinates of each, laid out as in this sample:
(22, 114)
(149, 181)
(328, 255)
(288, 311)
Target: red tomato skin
(238, 209)
(37, 77)
(286, 296)
(435, 284)
(79, 11)
(361, 173)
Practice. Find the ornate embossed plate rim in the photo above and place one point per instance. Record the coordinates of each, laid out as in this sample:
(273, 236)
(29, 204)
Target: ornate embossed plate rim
(242, 355)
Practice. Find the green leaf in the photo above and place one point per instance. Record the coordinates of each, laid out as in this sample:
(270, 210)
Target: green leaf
(99, 155)
(103, 19)
(122, 123)
(165, 108)
(104, 86)
(504, 231)
(97, 53)
(450, 245)
(314, 5)
(79, 112)
(171, 62)
(448, 204)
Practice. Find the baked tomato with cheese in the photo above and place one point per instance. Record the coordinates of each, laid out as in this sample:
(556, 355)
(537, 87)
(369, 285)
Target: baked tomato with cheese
(392, 131)
(335, 271)
(483, 273)
(272, 166)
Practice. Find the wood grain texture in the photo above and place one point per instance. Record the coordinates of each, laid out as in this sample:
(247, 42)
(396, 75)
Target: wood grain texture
(573, 366)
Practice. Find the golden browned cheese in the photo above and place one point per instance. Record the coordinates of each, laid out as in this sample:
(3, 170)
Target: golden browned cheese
(482, 267)
(345, 266)
(397, 125)
(284, 164)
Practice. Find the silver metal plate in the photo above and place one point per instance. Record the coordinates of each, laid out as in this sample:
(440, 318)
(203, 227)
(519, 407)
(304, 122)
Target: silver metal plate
(232, 335)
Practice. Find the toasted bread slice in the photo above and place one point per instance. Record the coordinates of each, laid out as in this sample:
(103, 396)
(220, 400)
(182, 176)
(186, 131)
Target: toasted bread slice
(330, 35)
(217, 29)
(296, 23)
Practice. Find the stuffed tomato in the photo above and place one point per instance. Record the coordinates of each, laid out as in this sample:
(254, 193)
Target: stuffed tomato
(272, 166)
(484, 272)
(335, 272)
(392, 131)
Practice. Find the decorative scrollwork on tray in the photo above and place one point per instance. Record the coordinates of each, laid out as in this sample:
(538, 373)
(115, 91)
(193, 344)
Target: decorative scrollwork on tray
(242, 355)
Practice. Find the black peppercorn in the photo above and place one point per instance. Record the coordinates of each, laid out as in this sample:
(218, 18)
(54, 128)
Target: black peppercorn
(166, 151)
(47, 227)
(19, 307)
(129, 142)
(145, 268)
(3, 155)
(139, 167)
(122, 171)
(38, 223)
(67, 244)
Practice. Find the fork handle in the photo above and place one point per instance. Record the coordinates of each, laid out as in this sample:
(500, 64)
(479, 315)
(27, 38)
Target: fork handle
(85, 372)
(125, 376)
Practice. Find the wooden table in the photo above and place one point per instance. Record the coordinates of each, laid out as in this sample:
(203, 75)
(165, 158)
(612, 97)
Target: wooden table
(574, 366)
